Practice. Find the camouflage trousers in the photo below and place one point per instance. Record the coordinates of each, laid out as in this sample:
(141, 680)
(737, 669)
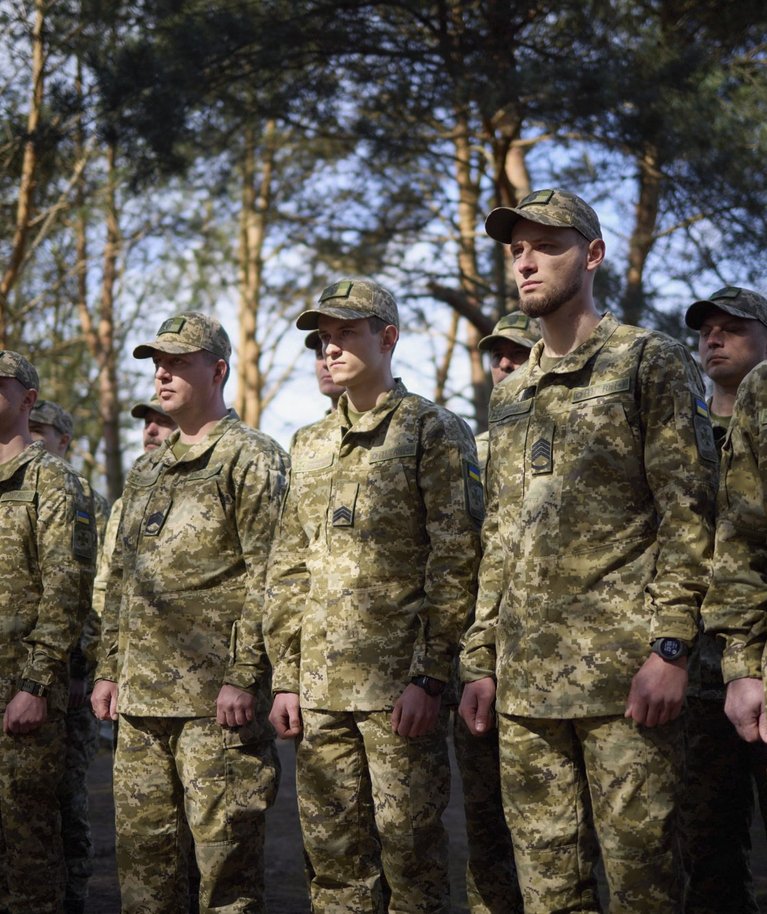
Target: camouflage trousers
(565, 782)
(717, 809)
(31, 853)
(367, 799)
(82, 743)
(491, 875)
(168, 770)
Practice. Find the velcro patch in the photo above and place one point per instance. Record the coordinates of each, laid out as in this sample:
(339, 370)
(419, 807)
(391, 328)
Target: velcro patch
(172, 325)
(344, 503)
(475, 495)
(704, 434)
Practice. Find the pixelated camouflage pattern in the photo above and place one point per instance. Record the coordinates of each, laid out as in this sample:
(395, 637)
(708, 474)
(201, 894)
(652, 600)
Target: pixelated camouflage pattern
(90, 638)
(373, 572)
(563, 782)
(482, 442)
(364, 794)
(559, 208)
(601, 484)
(492, 886)
(735, 605)
(224, 789)
(31, 853)
(716, 812)
(47, 559)
(184, 599)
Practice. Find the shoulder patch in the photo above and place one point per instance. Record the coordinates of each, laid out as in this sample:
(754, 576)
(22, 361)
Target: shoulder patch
(475, 495)
(704, 433)
(83, 535)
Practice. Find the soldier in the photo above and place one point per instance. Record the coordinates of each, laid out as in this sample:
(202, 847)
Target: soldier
(324, 380)
(719, 795)
(600, 485)
(48, 555)
(182, 654)
(157, 423)
(51, 424)
(370, 580)
(492, 886)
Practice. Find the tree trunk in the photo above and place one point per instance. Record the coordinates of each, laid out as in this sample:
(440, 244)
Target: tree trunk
(643, 234)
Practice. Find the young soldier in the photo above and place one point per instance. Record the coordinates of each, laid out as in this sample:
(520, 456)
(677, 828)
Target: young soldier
(600, 487)
(182, 639)
(370, 580)
(492, 886)
(47, 558)
(51, 424)
(719, 795)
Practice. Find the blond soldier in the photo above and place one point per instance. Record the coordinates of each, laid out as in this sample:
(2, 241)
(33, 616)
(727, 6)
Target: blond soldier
(47, 558)
(370, 580)
(51, 424)
(600, 485)
(182, 656)
(719, 792)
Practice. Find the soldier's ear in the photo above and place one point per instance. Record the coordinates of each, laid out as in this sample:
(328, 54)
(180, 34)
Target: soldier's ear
(389, 337)
(595, 254)
(29, 399)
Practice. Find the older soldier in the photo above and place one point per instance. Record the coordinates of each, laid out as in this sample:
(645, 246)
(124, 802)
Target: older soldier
(48, 554)
(719, 795)
(157, 423)
(600, 486)
(327, 386)
(182, 640)
(370, 580)
(51, 424)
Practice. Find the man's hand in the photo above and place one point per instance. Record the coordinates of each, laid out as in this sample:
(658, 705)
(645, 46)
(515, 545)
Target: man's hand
(657, 691)
(744, 705)
(78, 693)
(477, 704)
(415, 713)
(234, 707)
(285, 715)
(104, 699)
(24, 713)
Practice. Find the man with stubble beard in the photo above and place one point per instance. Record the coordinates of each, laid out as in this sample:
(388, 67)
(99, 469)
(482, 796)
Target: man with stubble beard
(600, 487)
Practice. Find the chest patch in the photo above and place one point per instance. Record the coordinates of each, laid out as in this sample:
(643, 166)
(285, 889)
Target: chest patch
(344, 504)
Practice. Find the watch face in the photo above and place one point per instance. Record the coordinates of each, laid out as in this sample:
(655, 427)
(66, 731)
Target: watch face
(670, 648)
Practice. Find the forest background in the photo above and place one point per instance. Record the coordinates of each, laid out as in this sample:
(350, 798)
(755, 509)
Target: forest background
(235, 157)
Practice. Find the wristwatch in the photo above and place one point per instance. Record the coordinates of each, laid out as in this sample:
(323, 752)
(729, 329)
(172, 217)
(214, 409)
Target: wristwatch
(432, 687)
(34, 688)
(670, 648)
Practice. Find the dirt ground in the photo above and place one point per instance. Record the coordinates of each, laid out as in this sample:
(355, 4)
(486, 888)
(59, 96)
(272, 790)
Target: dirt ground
(286, 892)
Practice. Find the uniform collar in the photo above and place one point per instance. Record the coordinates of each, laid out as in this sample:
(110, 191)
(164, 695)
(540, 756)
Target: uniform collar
(577, 359)
(30, 452)
(165, 453)
(371, 418)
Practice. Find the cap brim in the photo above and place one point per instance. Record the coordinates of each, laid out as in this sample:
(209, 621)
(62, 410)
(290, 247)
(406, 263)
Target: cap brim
(698, 310)
(500, 222)
(308, 320)
(147, 350)
(487, 342)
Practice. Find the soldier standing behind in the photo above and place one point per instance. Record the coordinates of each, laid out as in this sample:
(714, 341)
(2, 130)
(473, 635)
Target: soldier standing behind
(51, 424)
(371, 578)
(325, 382)
(600, 486)
(46, 562)
(182, 640)
(719, 796)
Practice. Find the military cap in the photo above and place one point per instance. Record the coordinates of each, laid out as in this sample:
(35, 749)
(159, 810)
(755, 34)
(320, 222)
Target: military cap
(140, 409)
(517, 327)
(312, 340)
(46, 412)
(13, 365)
(558, 208)
(352, 299)
(189, 331)
(732, 300)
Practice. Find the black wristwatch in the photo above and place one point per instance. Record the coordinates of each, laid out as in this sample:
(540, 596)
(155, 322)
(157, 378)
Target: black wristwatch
(670, 648)
(34, 688)
(432, 687)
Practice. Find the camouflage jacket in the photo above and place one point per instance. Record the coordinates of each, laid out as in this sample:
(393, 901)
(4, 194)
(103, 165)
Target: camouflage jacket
(47, 562)
(184, 596)
(600, 488)
(91, 636)
(736, 603)
(374, 568)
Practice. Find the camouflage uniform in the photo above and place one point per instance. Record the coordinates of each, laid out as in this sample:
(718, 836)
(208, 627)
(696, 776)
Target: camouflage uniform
(370, 581)
(48, 556)
(182, 616)
(578, 578)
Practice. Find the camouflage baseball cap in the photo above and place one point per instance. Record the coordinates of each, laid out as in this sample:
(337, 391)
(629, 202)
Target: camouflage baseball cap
(46, 412)
(517, 327)
(547, 207)
(140, 409)
(732, 300)
(13, 365)
(352, 299)
(189, 331)
(312, 340)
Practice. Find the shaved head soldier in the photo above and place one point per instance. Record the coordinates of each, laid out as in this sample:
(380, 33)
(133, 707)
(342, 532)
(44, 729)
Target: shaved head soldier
(600, 488)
